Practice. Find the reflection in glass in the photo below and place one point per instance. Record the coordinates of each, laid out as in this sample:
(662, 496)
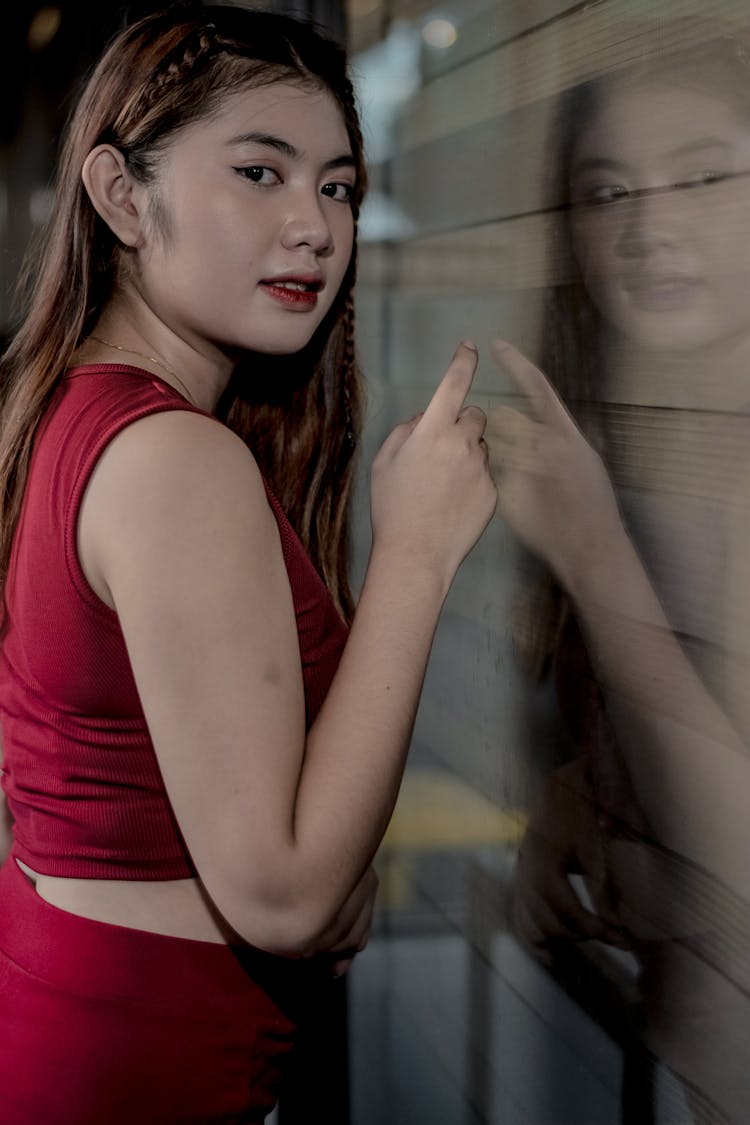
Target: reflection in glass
(649, 347)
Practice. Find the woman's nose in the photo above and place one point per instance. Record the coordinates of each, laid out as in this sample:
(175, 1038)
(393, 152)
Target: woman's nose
(307, 225)
(650, 219)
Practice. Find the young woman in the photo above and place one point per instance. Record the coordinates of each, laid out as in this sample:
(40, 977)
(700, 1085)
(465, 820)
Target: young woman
(199, 762)
(654, 811)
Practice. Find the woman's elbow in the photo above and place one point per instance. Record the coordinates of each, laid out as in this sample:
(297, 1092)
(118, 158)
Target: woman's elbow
(293, 933)
(294, 926)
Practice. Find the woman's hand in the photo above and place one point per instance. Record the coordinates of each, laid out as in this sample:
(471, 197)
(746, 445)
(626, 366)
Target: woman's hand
(564, 837)
(432, 492)
(553, 489)
(351, 932)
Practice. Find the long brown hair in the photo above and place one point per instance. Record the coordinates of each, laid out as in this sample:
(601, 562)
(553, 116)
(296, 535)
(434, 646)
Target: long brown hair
(302, 414)
(575, 345)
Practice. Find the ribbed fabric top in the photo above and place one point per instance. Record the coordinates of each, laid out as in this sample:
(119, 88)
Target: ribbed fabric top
(79, 768)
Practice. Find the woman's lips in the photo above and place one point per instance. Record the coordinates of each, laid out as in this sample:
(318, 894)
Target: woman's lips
(294, 293)
(661, 293)
(291, 295)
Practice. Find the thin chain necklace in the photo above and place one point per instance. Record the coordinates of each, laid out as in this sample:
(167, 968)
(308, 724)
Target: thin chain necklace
(151, 359)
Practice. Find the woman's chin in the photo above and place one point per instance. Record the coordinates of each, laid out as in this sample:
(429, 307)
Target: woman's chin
(682, 329)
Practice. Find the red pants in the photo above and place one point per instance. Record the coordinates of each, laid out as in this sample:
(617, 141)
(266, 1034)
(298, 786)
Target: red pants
(104, 1025)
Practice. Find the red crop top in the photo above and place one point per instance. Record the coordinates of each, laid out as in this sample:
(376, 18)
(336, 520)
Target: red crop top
(79, 769)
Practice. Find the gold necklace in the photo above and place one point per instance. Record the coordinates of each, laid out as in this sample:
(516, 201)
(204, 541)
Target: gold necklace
(151, 359)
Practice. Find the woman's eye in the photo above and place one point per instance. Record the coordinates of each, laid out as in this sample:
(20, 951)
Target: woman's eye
(259, 174)
(603, 193)
(703, 177)
(342, 193)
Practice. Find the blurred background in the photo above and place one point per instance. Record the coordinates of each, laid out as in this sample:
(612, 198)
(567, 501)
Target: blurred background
(452, 1019)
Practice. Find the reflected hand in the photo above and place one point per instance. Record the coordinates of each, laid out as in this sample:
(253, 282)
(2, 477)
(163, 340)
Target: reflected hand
(564, 837)
(552, 487)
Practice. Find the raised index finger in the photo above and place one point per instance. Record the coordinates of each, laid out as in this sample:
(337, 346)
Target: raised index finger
(447, 402)
(538, 392)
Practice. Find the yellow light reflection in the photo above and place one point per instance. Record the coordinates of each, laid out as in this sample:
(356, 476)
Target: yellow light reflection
(43, 28)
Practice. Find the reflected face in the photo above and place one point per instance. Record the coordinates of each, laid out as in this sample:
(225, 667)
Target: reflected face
(661, 220)
(259, 223)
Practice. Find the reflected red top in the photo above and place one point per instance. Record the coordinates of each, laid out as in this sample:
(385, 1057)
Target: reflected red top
(79, 771)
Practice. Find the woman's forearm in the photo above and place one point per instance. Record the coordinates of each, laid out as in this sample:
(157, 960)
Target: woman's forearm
(686, 760)
(353, 761)
(432, 496)
(356, 750)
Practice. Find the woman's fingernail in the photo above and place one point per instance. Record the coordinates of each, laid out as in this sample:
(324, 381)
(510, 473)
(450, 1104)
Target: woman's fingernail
(470, 345)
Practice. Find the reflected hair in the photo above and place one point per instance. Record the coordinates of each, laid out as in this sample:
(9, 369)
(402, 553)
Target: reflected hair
(574, 346)
(301, 415)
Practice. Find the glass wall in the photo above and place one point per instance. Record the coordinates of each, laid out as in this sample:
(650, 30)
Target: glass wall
(573, 178)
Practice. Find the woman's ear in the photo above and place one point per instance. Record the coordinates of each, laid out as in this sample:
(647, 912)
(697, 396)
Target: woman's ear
(114, 193)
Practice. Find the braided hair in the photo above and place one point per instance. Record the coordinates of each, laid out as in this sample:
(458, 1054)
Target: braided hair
(302, 414)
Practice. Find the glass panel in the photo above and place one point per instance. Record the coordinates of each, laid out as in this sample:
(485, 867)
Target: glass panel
(573, 178)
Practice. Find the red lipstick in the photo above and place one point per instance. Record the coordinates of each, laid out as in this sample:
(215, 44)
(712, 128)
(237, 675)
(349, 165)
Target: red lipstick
(294, 291)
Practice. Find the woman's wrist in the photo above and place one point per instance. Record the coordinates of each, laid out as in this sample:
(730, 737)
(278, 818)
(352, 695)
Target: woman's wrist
(597, 562)
(422, 574)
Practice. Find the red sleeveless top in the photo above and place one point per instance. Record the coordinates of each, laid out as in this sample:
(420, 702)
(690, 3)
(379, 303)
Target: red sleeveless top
(79, 769)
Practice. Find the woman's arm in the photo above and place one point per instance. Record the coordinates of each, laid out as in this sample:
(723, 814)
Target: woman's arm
(175, 531)
(687, 761)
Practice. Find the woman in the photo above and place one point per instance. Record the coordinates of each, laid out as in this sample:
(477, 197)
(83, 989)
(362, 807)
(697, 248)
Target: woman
(199, 763)
(654, 810)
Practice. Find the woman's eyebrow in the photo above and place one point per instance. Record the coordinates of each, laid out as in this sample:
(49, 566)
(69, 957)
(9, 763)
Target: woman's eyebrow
(344, 160)
(700, 145)
(590, 163)
(266, 139)
(704, 144)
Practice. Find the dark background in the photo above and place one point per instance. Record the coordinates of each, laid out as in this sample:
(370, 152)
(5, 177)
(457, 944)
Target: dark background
(54, 70)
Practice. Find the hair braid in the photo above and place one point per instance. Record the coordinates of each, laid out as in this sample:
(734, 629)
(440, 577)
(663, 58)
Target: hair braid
(349, 375)
(193, 52)
(351, 378)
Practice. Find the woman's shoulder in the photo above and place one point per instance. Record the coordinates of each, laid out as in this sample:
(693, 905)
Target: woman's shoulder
(147, 455)
(107, 399)
(180, 453)
(127, 429)
(175, 491)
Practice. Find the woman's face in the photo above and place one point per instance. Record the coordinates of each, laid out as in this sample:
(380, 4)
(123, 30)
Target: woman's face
(258, 222)
(661, 217)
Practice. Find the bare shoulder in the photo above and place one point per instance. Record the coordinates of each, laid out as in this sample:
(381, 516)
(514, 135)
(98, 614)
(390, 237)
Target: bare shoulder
(168, 483)
(174, 446)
